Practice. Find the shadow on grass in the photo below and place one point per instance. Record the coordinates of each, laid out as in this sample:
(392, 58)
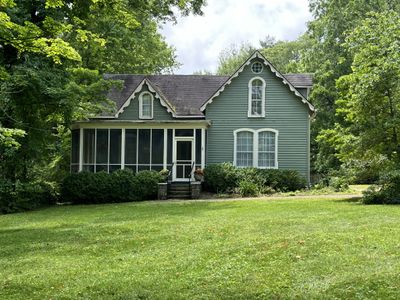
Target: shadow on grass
(356, 200)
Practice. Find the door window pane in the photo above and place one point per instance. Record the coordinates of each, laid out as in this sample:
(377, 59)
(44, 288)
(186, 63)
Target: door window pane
(184, 150)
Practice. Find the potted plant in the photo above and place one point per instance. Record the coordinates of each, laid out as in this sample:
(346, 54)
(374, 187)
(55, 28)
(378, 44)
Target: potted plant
(164, 173)
(198, 174)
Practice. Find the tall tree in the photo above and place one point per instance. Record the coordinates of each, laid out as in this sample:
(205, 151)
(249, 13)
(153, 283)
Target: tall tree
(328, 58)
(369, 102)
(52, 56)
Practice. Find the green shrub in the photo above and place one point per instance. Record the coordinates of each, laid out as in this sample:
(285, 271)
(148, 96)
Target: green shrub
(248, 188)
(146, 185)
(221, 178)
(388, 191)
(339, 184)
(119, 186)
(15, 197)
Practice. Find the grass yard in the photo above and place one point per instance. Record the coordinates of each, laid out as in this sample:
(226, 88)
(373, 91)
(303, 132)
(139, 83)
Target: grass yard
(253, 249)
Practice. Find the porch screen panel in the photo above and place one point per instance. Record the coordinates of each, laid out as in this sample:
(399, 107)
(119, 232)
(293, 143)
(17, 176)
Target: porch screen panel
(115, 149)
(157, 151)
(198, 148)
(88, 149)
(169, 148)
(183, 132)
(75, 151)
(130, 149)
(102, 150)
(144, 149)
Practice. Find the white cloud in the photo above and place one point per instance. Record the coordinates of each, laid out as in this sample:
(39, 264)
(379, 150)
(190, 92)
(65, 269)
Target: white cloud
(199, 39)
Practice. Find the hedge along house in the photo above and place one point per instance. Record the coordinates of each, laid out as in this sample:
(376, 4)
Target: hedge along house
(257, 117)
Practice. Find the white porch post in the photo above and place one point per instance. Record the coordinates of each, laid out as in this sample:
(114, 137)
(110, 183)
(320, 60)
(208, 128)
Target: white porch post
(203, 148)
(123, 149)
(80, 149)
(165, 149)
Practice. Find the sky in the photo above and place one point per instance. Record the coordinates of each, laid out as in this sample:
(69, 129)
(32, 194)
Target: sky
(199, 40)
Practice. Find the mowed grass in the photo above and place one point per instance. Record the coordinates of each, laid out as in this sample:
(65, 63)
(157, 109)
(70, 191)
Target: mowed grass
(253, 249)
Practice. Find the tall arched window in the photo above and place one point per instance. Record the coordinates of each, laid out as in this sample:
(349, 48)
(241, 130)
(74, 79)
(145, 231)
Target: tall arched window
(146, 106)
(256, 105)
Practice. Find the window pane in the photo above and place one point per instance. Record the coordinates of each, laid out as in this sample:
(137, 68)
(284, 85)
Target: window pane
(88, 146)
(75, 146)
(266, 149)
(144, 146)
(146, 105)
(256, 107)
(130, 146)
(102, 146)
(157, 151)
(244, 149)
(115, 146)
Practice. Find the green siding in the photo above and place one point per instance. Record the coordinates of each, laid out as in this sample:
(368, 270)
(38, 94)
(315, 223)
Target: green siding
(132, 111)
(283, 112)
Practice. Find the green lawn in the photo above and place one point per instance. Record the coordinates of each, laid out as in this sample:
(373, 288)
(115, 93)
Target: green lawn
(253, 249)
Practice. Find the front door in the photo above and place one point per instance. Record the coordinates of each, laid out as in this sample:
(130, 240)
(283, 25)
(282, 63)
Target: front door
(183, 158)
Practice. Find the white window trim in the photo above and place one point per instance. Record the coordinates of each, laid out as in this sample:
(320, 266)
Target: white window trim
(141, 106)
(255, 146)
(249, 113)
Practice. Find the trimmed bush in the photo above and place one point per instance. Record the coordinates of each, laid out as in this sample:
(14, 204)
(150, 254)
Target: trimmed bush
(146, 185)
(119, 186)
(222, 178)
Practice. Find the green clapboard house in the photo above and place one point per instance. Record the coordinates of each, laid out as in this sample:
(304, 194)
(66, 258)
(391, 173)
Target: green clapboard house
(257, 117)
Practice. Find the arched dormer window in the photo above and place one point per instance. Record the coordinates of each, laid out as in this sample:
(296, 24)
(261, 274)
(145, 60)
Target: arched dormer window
(146, 106)
(256, 105)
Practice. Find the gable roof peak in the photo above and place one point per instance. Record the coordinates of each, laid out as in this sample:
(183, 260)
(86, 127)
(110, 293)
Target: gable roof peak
(266, 62)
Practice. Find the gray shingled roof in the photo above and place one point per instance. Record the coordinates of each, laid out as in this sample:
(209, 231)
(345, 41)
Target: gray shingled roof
(186, 93)
(300, 80)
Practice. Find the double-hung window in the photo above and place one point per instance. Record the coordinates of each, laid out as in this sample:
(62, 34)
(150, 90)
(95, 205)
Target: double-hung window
(244, 149)
(256, 148)
(256, 105)
(146, 106)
